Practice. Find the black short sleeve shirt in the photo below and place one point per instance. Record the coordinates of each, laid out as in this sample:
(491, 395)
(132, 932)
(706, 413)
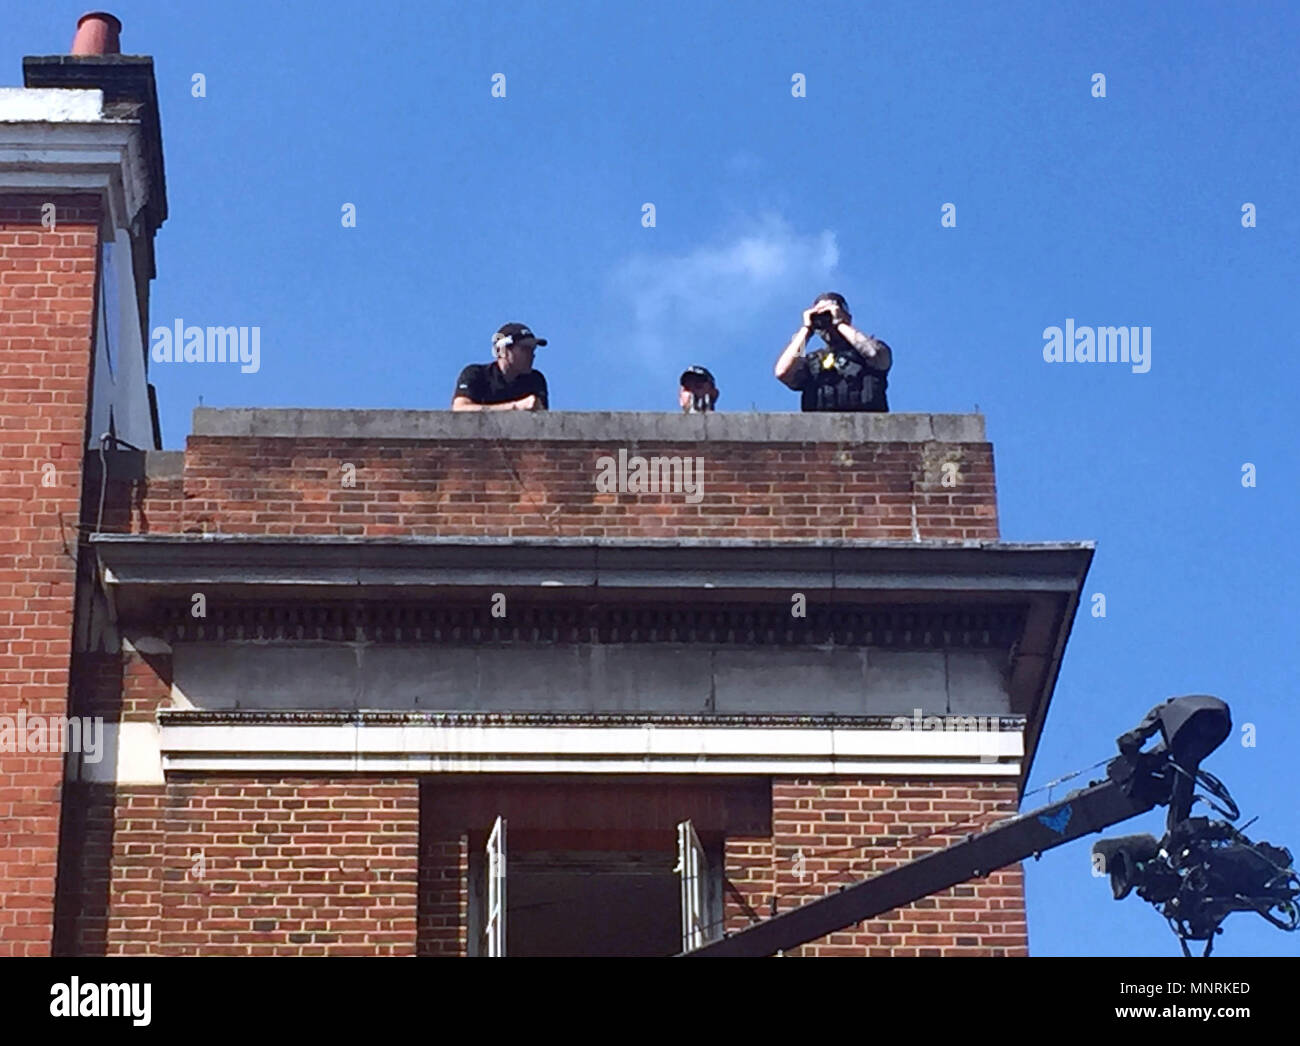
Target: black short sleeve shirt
(484, 383)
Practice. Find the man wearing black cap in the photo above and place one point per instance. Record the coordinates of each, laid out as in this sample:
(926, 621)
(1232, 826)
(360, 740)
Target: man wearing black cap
(698, 392)
(509, 382)
(848, 373)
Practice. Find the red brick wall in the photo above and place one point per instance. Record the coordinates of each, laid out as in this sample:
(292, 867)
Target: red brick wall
(243, 866)
(522, 488)
(315, 867)
(124, 686)
(47, 299)
(158, 506)
(134, 502)
(849, 830)
(111, 893)
(444, 893)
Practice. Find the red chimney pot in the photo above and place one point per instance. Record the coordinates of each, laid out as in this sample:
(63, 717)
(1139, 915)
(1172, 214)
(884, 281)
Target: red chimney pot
(98, 32)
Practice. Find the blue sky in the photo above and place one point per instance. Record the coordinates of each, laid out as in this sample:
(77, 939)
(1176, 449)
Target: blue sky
(1118, 211)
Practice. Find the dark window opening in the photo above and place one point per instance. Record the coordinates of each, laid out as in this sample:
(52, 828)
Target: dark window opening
(593, 904)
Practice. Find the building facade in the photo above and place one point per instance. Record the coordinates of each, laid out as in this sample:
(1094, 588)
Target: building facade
(423, 683)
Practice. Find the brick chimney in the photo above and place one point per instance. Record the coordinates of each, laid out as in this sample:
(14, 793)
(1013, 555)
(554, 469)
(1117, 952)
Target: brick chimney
(81, 198)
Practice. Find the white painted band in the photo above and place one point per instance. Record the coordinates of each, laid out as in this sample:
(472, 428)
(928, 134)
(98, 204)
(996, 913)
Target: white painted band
(358, 748)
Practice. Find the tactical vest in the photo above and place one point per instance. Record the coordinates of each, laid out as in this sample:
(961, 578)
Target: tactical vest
(842, 379)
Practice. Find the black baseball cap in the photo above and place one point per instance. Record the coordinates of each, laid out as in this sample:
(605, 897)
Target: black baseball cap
(511, 332)
(697, 372)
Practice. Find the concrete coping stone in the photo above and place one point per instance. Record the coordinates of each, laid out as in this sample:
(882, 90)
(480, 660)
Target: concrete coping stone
(627, 427)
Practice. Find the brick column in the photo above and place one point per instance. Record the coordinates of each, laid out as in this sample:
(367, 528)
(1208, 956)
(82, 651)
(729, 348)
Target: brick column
(47, 310)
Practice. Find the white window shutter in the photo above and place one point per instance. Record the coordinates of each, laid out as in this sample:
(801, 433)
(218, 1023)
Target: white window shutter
(691, 868)
(496, 889)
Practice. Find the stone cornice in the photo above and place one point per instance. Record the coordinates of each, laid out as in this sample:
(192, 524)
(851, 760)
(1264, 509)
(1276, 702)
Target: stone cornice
(103, 158)
(158, 563)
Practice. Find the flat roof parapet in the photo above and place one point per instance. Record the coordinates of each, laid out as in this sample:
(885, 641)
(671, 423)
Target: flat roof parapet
(587, 426)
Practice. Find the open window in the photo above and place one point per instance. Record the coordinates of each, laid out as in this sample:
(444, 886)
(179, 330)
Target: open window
(594, 903)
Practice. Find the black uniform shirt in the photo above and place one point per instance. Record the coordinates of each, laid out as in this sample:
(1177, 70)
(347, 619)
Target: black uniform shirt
(839, 378)
(484, 383)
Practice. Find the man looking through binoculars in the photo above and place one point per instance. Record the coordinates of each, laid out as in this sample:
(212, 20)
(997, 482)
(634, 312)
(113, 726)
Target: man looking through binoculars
(848, 373)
